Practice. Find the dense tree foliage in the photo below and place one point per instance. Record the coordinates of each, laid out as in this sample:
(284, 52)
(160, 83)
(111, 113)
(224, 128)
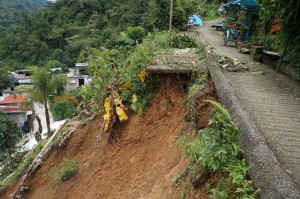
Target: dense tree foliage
(66, 27)
(158, 15)
(6, 80)
(63, 110)
(8, 136)
(289, 36)
(13, 11)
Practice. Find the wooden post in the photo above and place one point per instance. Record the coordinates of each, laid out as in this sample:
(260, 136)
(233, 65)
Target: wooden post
(171, 16)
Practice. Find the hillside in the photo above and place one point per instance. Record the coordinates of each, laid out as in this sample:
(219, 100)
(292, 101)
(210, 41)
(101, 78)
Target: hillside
(12, 12)
(64, 28)
(141, 163)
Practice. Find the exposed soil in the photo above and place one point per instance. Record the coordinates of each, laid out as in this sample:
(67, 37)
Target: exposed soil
(203, 109)
(142, 164)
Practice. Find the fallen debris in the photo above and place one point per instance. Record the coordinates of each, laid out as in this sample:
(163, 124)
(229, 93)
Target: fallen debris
(38, 161)
(231, 65)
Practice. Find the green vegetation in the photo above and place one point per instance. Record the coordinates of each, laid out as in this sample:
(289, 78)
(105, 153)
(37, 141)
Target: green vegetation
(158, 15)
(217, 149)
(110, 69)
(9, 134)
(183, 41)
(218, 145)
(288, 39)
(64, 28)
(45, 85)
(64, 107)
(189, 101)
(63, 110)
(64, 170)
(208, 11)
(22, 166)
(13, 11)
(6, 80)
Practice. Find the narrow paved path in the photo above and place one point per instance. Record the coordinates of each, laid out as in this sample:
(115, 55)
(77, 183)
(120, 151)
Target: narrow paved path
(272, 101)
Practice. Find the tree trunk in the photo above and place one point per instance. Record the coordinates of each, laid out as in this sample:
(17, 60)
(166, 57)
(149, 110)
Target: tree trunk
(47, 117)
(38, 135)
(171, 16)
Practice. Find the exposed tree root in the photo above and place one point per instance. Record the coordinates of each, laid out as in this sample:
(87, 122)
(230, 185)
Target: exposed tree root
(99, 136)
(65, 137)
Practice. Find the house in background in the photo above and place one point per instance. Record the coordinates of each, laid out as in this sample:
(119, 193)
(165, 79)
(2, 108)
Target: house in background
(12, 106)
(7, 92)
(23, 76)
(78, 77)
(10, 91)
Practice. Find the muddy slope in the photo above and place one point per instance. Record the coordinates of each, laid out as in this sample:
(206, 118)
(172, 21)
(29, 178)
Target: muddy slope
(142, 164)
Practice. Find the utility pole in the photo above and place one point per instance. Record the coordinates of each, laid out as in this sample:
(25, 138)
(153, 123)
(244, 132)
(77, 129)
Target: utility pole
(171, 16)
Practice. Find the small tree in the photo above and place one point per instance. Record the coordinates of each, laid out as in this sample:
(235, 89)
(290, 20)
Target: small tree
(8, 136)
(63, 110)
(45, 85)
(6, 80)
(53, 64)
(136, 33)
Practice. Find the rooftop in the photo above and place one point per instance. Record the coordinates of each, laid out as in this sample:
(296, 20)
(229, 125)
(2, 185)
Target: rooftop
(11, 109)
(81, 64)
(12, 100)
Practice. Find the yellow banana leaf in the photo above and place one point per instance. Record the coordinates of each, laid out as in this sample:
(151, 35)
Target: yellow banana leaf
(107, 104)
(120, 109)
(135, 106)
(142, 75)
(121, 114)
(106, 118)
(126, 86)
(134, 98)
(118, 101)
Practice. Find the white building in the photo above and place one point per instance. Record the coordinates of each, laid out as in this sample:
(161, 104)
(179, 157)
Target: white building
(79, 77)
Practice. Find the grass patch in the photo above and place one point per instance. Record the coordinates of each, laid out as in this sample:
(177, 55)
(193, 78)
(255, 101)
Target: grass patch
(210, 18)
(65, 170)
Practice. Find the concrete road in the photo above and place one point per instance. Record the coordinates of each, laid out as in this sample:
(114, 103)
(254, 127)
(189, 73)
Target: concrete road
(273, 103)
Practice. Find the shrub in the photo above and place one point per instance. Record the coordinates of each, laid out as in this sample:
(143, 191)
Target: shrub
(218, 150)
(63, 110)
(73, 93)
(190, 102)
(70, 169)
(158, 15)
(136, 33)
(70, 98)
(182, 41)
(64, 170)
